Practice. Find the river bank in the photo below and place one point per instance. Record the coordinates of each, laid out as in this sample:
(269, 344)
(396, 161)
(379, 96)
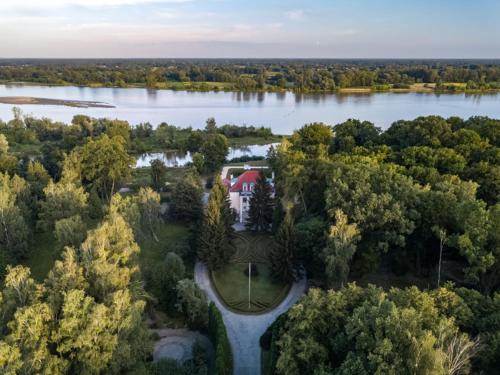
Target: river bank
(206, 86)
(29, 100)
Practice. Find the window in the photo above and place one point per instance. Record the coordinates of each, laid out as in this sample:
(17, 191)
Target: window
(244, 200)
(251, 186)
(245, 187)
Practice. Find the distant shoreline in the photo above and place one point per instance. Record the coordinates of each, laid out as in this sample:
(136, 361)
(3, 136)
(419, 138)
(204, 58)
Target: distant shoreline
(430, 88)
(24, 100)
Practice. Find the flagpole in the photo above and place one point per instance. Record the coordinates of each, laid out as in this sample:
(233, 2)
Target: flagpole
(249, 278)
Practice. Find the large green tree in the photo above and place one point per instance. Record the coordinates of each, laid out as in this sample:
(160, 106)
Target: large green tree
(62, 200)
(105, 163)
(370, 331)
(340, 248)
(214, 150)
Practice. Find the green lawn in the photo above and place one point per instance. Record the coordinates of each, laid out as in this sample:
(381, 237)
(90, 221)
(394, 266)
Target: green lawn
(231, 282)
(44, 251)
(171, 237)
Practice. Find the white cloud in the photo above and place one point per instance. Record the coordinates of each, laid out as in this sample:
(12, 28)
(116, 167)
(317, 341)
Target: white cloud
(167, 15)
(16, 4)
(295, 15)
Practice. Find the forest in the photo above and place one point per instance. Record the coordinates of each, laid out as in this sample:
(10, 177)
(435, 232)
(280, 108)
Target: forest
(397, 232)
(304, 76)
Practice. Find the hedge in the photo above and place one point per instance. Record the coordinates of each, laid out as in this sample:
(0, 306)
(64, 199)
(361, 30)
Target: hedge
(218, 336)
(268, 341)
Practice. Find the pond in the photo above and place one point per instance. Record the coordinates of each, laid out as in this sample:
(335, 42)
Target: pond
(283, 112)
(176, 159)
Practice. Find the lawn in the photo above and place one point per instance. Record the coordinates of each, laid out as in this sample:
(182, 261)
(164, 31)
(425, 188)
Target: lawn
(231, 283)
(44, 251)
(171, 237)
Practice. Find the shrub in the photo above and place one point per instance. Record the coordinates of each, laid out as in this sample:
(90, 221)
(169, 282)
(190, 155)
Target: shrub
(218, 335)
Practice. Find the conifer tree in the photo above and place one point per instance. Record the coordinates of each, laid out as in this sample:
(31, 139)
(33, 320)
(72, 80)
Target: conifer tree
(284, 261)
(260, 214)
(215, 247)
(186, 203)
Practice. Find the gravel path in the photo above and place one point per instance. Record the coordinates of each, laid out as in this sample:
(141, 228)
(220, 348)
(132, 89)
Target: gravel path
(177, 344)
(244, 331)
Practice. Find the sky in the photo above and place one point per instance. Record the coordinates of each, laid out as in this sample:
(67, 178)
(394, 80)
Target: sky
(250, 29)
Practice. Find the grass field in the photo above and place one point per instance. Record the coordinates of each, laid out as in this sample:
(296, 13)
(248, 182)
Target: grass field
(231, 283)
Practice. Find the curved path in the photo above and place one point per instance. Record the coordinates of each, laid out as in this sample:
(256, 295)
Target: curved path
(244, 331)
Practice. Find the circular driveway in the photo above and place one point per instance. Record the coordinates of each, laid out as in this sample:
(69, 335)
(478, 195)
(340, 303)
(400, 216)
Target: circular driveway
(244, 331)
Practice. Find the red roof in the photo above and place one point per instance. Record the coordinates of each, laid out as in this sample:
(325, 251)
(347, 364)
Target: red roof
(248, 177)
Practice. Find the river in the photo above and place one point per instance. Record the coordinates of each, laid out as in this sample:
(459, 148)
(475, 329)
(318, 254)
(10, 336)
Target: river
(283, 112)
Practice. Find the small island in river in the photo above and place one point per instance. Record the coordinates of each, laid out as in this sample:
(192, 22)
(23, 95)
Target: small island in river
(21, 100)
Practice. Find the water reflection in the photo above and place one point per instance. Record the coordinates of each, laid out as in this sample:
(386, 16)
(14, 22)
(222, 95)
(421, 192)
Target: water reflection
(178, 159)
(282, 112)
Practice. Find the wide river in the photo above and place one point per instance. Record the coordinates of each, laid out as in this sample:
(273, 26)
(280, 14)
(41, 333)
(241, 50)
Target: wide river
(283, 112)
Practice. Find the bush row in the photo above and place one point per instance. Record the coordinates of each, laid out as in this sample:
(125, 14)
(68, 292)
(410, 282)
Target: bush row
(218, 335)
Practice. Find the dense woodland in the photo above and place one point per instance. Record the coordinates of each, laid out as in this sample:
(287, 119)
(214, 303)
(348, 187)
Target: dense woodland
(419, 200)
(260, 75)
(410, 214)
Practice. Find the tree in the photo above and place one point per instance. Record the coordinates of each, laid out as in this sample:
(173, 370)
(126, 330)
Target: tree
(165, 277)
(105, 162)
(368, 331)
(340, 248)
(37, 178)
(211, 126)
(158, 173)
(151, 79)
(283, 257)
(310, 240)
(381, 201)
(261, 211)
(312, 139)
(149, 205)
(4, 144)
(13, 229)
(192, 301)
(62, 200)
(220, 192)
(214, 150)
(8, 163)
(352, 133)
(70, 231)
(198, 162)
(86, 317)
(186, 199)
(215, 246)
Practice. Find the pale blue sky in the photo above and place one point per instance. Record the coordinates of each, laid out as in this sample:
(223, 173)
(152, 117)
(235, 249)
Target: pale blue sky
(259, 28)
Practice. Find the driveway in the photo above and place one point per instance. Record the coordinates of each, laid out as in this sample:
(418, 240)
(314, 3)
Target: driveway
(244, 331)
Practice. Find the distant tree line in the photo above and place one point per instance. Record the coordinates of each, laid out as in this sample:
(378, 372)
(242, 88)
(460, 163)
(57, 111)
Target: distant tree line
(256, 75)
